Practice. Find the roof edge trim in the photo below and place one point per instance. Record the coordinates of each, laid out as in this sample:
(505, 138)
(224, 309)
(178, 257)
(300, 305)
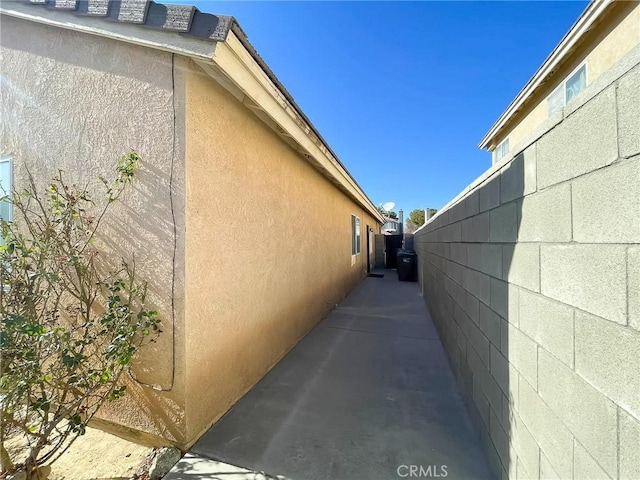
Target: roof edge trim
(165, 40)
(594, 11)
(265, 90)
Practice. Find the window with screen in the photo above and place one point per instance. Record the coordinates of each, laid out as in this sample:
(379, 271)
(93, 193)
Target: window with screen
(567, 90)
(355, 235)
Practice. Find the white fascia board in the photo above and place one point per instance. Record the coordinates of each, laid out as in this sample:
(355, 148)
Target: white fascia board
(233, 59)
(593, 11)
(125, 32)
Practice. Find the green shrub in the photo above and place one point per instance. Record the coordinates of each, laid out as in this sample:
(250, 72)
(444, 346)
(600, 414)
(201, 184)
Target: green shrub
(72, 321)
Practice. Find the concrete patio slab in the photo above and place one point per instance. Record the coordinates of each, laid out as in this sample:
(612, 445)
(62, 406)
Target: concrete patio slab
(367, 394)
(192, 467)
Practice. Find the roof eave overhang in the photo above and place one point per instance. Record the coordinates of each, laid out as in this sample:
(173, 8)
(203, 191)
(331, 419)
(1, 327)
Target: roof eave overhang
(237, 69)
(233, 63)
(559, 54)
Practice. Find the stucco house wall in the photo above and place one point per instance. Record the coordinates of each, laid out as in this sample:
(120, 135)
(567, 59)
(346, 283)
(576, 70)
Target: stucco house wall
(281, 262)
(234, 295)
(77, 102)
(532, 277)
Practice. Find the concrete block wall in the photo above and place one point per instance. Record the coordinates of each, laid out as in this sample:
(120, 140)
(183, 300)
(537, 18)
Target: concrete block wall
(532, 276)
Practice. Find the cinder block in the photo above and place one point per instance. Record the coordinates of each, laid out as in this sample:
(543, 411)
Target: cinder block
(456, 212)
(512, 467)
(493, 459)
(606, 205)
(467, 278)
(491, 260)
(461, 339)
(466, 230)
(508, 410)
(518, 178)
(500, 298)
(513, 305)
(467, 377)
(499, 437)
(472, 204)
(489, 193)
(608, 357)
(442, 219)
(584, 465)
(459, 295)
(449, 285)
(629, 113)
(583, 142)
(629, 446)
(473, 360)
(504, 336)
(550, 433)
(472, 307)
(500, 369)
(451, 233)
(546, 216)
(486, 258)
(521, 472)
(503, 223)
(456, 272)
(480, 228)
(490, 324)
(480, 286)
(460, 317)
(633, 270)
(521, 265)
(523, 355)
(546, 469)
(549, 323)
(482, 404)
(514, 383)
(526, 446)
(491, 390)
(478, 341)
(591, 417)
(459, 253)
(590, 277)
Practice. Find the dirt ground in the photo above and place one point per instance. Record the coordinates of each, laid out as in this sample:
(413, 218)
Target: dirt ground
(99, 456)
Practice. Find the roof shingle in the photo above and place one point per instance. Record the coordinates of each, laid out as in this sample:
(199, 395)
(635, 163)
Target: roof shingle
(183, 19)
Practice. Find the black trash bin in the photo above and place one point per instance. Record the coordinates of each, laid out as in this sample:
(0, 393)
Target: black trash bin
(407, 265)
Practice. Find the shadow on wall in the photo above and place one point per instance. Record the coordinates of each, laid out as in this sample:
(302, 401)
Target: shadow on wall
(531, 277)
(464, 267)
(140, 228)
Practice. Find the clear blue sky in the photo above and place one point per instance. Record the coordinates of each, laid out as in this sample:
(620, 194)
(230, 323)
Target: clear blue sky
(404, 91)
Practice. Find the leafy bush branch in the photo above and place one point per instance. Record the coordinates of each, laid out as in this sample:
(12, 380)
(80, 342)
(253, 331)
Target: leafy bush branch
(71, 323)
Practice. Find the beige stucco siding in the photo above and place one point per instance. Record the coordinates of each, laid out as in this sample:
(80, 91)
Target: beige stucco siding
(77, 102)
(615, 41)
(610, 40)
(268, 249)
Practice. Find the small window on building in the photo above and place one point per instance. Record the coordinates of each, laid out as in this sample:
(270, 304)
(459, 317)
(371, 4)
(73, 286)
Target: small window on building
(501, 150)
(555, 101)
(6, 188)
(390, 226)
(567, 90)
(576, 83)
(355, 235)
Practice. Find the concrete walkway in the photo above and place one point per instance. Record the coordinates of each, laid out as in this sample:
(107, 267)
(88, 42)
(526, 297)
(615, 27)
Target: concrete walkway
(367, 394)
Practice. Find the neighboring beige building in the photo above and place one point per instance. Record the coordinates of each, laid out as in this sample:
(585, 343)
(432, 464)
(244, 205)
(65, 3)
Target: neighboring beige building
(220, 137)
(605, 32)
